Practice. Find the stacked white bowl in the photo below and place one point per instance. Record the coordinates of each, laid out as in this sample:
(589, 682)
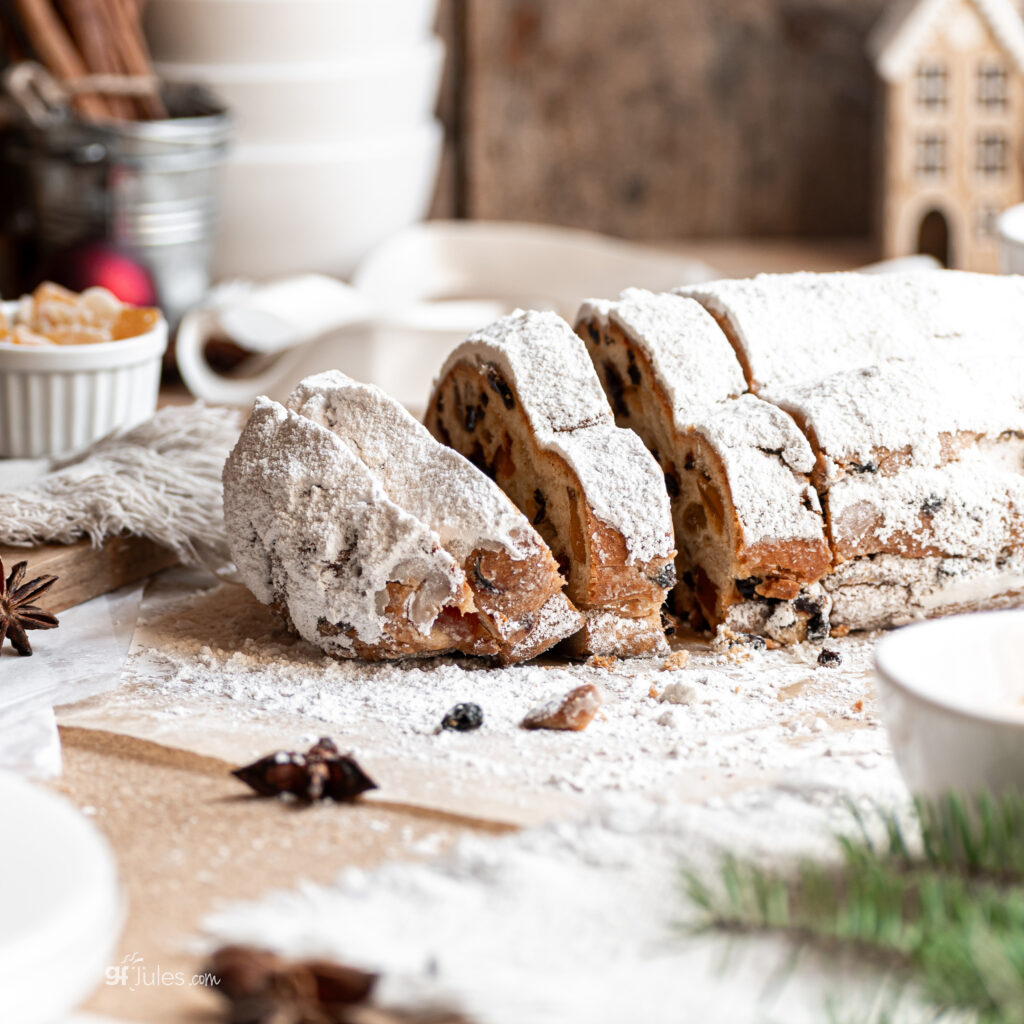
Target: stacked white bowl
(336, 145)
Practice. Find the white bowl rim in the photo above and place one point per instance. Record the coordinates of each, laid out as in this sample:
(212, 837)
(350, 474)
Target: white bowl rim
(982, 716)
(1010, 224)
(378, 62)
(138, 345)
(369, 147)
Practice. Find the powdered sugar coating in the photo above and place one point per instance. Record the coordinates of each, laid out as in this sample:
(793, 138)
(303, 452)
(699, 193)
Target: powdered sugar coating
(903, 406)
(766, 458)
(549, 364)
(432, 481)
(969, 508)
(310, 525)
(561, 395)
(795, 328)
(692, 358)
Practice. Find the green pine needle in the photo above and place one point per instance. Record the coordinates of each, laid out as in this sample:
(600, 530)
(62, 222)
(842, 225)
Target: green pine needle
(945, 904)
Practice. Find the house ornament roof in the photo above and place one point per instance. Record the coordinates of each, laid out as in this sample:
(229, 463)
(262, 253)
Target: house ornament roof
(896, 40)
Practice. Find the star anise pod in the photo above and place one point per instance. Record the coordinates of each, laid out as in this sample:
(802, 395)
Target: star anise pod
(17, 613)
(264, 988)
(322, 773)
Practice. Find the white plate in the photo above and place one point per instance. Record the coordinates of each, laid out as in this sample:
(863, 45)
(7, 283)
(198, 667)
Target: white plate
(269, 31)
(353, 98)
(60, 905)
(290, 209)
(952, 697)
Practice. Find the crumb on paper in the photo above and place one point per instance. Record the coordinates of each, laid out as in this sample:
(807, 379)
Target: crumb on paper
(676, 660)
(572, 712)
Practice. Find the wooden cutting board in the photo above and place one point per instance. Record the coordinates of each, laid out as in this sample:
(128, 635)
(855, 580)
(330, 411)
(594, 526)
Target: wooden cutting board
(84, 571)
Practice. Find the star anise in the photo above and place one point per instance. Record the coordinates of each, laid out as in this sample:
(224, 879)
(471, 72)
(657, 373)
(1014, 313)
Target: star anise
(264, 988)
(322, 773)
(17, 613)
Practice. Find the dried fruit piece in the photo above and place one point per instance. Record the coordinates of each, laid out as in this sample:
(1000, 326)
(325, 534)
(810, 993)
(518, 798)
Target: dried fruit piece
(574, 711)
(463, 718)
(829, 659)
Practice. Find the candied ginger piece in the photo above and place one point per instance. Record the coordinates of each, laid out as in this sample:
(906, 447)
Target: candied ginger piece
(79, 334)
(48, 291)
(23, 335)
(133, 321)
(102, 306)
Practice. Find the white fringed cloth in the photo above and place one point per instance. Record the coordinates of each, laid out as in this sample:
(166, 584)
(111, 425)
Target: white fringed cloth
(159, 480)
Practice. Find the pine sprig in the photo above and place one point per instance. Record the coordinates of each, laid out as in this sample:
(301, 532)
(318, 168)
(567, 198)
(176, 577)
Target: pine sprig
(945, 903)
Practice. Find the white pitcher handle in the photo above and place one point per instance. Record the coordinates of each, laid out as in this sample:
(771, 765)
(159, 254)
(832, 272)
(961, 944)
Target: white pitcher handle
(195, 329)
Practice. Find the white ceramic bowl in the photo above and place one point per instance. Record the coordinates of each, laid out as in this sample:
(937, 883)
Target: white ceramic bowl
(286, 209)
(57, 400)
(952, 697)
(272, 31)
(62, 906)
(1010, 227)
(354, 98)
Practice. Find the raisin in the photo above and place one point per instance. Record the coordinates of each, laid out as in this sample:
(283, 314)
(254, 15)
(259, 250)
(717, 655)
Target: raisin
(817, 628)
(440, 402)
(865, 467)
(688, 579)
(500, 387)
(807, 605)
(665, 577)
(463, 718)
(667, 625)
(595, 334)
(672, 484)
(829, 659)
(747, 587)
(616, 389)
(474, 414)
(486, 585)
(633, 370)
(484, 399)
(542, 507)
(753, 641)
(931, 505)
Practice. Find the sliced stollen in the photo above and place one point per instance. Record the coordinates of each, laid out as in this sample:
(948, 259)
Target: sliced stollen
(522, 401)
(356, 562)
(910, 388)
(748, 524)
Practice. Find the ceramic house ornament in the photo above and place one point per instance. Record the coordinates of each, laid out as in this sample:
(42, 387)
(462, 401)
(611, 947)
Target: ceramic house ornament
(953, 126)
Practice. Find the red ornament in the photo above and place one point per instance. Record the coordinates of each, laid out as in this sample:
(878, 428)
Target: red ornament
(101, 263)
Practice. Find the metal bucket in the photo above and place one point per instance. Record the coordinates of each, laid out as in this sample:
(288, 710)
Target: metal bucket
(151, 187)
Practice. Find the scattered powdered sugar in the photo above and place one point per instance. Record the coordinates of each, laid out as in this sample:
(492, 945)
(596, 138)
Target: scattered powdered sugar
(754, 752)
(765, 458)
(561, 395)
(222, 654)
(310, 525)
(426, 478)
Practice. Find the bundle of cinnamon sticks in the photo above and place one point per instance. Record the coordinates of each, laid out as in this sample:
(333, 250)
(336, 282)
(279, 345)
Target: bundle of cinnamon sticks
(78, 39)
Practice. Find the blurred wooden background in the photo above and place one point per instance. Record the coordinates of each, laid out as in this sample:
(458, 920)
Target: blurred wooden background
(661, 118)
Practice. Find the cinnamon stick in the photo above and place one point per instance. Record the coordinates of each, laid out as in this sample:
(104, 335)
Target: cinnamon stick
(51, 42)
(130, 44)
(91, 31)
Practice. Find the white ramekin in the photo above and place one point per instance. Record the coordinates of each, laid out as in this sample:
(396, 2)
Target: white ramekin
(951, 692)
(57, 400)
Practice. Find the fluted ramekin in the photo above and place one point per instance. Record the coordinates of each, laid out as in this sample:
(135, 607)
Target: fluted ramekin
(56, 400)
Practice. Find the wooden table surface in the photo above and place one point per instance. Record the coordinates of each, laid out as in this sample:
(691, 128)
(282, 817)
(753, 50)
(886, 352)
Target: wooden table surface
(188, 839)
